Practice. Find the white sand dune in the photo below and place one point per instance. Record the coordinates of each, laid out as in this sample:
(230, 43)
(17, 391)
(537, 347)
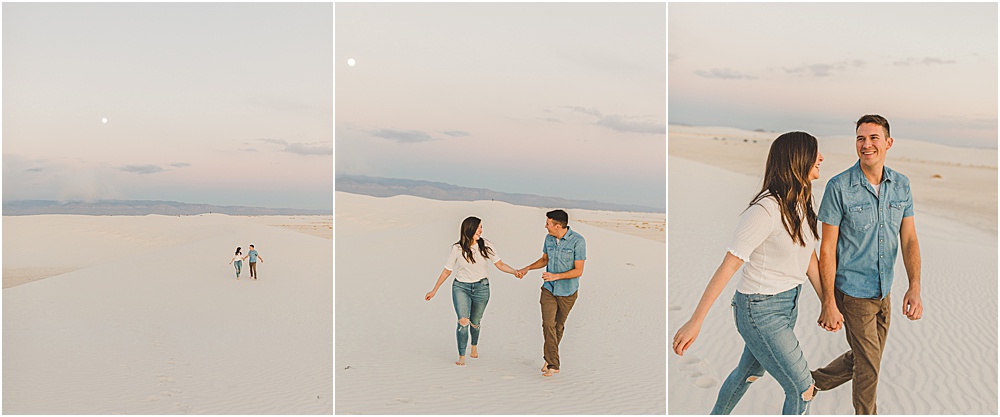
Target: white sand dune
(945, 363)
(395, 352)
(163, 327)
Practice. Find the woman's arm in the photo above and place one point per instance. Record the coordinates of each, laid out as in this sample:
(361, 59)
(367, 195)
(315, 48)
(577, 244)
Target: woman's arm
(689, 331)
(444, 275)
(813, 273)
(506, 268)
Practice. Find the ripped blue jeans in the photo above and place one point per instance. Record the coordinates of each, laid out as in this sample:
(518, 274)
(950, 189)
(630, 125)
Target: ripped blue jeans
(767, 324)
(470, 302)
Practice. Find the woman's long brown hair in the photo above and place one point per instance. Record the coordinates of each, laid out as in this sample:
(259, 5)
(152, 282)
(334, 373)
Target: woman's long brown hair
(469, 227)
(786, 178)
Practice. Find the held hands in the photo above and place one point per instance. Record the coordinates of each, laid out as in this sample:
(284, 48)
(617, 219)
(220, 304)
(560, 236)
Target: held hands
(520, 273)
(830, 318)
(686, 336)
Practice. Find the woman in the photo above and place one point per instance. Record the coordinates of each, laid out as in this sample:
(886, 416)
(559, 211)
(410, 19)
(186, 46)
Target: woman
(237, 261)
(471, 289)
(776, 237)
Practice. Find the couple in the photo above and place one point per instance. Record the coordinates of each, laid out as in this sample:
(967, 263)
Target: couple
(563, 256)
(867, 215)
(238, 259)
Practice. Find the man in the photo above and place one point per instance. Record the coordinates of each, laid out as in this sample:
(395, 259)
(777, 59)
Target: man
(563, 255)
(867, 216)
(253, 262)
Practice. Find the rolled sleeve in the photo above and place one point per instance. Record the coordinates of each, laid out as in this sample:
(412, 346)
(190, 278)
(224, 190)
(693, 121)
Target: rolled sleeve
(754, 227)
(580, 250)
(830, 210)
(908, 210)
(452, 258)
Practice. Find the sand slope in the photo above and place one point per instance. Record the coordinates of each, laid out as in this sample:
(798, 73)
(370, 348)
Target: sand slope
(945, 363)
(170, 331)
(395, 351)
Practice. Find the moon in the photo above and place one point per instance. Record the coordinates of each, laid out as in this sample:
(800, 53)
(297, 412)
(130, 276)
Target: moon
(104, 120)
(351, 62)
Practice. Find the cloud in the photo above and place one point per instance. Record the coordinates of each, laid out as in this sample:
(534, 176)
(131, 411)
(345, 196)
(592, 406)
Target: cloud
(585, 110)
(724, 74)
(274, 141)
(457, 133)
(405, 136)
(550, 119)
(825, 70)
(142, 169)
(180, 165)
(925, 61)
(318, 148)
(671, 58)
(632, 124)
(35, 169)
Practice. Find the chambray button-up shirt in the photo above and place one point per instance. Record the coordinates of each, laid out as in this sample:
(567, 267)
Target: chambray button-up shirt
(562, 255)
(869, 228)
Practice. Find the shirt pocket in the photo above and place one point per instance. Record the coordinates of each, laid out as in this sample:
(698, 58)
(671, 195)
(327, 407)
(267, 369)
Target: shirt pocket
(861, 216)
(896, 210)
(566, 255)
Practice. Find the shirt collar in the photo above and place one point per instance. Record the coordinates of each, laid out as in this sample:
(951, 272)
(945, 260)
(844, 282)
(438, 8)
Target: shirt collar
(858, 176)
(566, 236)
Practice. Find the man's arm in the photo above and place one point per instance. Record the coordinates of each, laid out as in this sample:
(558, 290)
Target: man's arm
(830, 317)
(572, 273)
(540, 263)
(913, 307)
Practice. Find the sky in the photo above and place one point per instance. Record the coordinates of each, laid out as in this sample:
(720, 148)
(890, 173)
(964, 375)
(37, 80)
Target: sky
(929, 68)
(213, 103)
(558, 99)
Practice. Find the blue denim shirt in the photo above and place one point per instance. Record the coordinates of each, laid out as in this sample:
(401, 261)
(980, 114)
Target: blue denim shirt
(562, 255)
(869, 228)
(253, 255)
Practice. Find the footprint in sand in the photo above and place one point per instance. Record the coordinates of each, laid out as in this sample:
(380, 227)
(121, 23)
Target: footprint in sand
(508, 377)
(476, 379)
(403, 400)
(705, 382)
(673, 307)
(510, 347)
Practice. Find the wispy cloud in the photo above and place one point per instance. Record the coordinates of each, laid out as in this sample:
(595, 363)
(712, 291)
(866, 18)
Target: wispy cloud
(142, 169)
(632, 124)
(180, 165)
(925, 61)
(319, 148)
(550, 119)
(671, 58)
(35, 169)
(585, 110)
(724, 74)
(405, 136)
(457, 133)
(825, 70)
(274, 141)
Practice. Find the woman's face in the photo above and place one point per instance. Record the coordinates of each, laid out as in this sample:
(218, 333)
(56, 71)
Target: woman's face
(814, 172)
(479, 232)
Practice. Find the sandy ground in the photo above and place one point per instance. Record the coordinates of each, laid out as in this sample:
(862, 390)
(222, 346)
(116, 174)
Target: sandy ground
(944, 363)
(152, 320)
(395, 351)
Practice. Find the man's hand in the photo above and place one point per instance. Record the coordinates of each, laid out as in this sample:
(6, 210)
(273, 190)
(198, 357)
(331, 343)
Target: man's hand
(830, 317)
(913, 308)
(548, 276)
(519, 273)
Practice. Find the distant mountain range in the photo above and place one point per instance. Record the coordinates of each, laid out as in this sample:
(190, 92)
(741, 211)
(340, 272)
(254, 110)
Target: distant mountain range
(388, 187)
(141, 207)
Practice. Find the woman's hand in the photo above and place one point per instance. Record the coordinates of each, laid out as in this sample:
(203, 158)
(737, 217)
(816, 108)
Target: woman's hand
(430, 295)
(686, 336)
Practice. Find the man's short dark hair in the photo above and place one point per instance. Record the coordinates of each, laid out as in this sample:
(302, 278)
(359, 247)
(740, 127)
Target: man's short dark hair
(874, 119)
(559, 217)
(251, 246)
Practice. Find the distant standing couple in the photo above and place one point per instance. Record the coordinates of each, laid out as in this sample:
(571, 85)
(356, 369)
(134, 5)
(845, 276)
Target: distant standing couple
(867, 217)
(238, 259)
(563, 254)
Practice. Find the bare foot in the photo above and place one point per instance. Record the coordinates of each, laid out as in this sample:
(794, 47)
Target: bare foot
(461, 361)
(475, 352)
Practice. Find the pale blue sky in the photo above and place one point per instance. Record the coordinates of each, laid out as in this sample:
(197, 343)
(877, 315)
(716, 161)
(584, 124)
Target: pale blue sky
(218, 103)
(559, 99)
(930, 68)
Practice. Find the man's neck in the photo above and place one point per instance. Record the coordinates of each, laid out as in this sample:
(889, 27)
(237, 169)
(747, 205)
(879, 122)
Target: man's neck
(873, 174)
(563, 234)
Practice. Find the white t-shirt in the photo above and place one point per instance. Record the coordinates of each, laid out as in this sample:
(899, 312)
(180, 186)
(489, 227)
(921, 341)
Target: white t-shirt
(774, 263)
(470, 272)
(237, 258)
